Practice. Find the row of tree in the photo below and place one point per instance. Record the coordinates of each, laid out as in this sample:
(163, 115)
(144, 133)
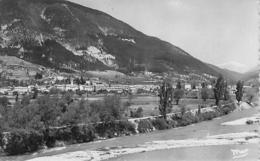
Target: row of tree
(168, 94)
(52, 110)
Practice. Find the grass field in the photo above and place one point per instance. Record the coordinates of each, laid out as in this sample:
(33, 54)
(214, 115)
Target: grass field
(150, 104)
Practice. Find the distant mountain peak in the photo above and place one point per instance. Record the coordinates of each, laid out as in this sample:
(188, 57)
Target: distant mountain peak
(234, 66)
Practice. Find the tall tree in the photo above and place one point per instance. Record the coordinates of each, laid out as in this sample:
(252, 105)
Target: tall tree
(219, 89)
(204, 92)
(178, 92)
(165, 94)
(239, 91)
(226, 92)
(35, 93)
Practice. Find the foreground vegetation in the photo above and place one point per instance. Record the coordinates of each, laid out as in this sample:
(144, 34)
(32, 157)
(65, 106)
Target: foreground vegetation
(54, 119)
(51, 122)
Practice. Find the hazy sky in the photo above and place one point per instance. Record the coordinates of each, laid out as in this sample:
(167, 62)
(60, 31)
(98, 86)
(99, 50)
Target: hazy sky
(221, 32)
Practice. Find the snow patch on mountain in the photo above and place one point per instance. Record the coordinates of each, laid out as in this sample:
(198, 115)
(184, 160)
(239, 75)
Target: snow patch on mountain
(234, 66)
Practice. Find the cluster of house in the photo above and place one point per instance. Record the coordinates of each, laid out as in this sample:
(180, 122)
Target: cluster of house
(89, 87)
(93, 87)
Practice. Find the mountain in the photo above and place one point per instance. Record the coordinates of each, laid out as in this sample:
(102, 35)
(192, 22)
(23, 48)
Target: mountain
(234, 66)
(66, 36)
(252, 74)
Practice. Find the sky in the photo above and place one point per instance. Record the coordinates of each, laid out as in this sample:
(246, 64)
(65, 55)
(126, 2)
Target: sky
(220, 32)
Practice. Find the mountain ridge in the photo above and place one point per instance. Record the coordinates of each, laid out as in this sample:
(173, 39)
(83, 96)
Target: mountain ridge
(67, 36)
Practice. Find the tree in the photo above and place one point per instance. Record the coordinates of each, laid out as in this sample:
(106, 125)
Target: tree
(165, 94)
(35, 93)
(251, 93)
(48, 110)
(25, 100)
(3, 106)
(239, 91)
(219, 89)
(193, 85)
(204, 92)
(4, 101)
(111, 109)
(226, 92)
(137, 113)
(178, 86)
(77, 113)
(82, 80)
(38, 76)
(178, 92)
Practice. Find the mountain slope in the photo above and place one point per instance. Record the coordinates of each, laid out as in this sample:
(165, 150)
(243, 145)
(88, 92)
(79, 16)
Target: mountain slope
(66, 36)
(232, 75)
(252, 74)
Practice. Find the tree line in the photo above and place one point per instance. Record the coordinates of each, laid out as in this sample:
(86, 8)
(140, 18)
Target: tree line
(168, 94)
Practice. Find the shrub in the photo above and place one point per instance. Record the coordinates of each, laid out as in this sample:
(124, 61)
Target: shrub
(183, 110)
(63, 134)
(114, 128)
(187, 119)
(226, 109)
(209, 115)
(160, 124)
(172, 123)
(138, 113)
(85, 133)
(126, 127)
(50, 137)
(249, 122)
(20, 141)
(145, 126)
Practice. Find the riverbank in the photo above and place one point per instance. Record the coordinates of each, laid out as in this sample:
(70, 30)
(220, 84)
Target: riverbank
(195, 131)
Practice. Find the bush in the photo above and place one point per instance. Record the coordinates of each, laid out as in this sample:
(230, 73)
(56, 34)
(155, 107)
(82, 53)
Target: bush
(138, 113)
(249, 122)
(229, 108)
(160, 124)
(183, 110)
(114, 129)
(50, 137)
(126, 127)
(209, 115)
(81, 134)
(172, 123)
(20, 141)
(187, 119)
(145, 126)
(70, 134)
(63, 134)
